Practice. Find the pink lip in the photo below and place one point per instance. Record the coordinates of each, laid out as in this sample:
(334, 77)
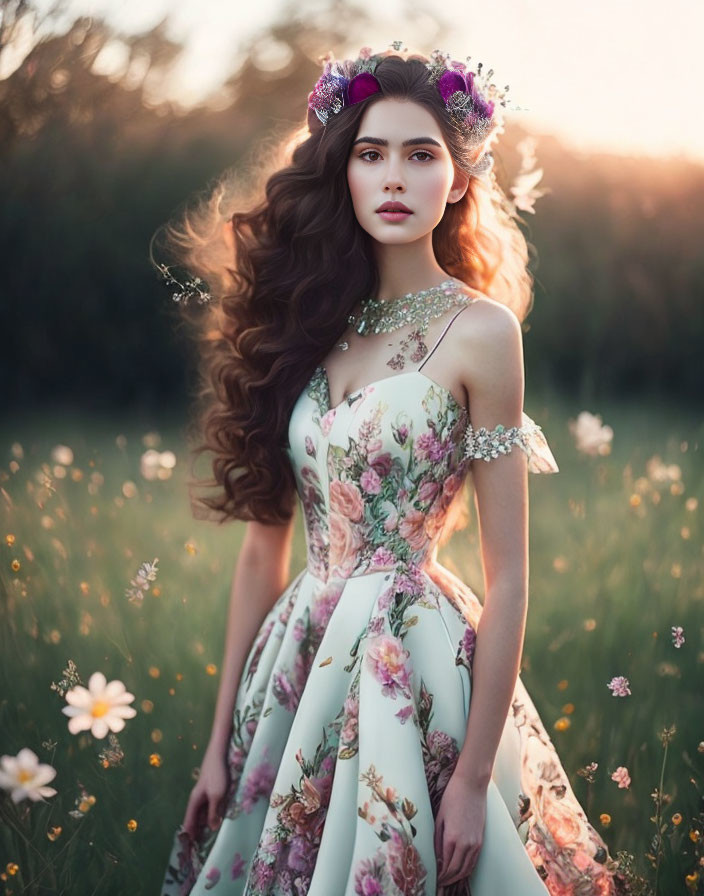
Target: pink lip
(394, 207)
(393, 215)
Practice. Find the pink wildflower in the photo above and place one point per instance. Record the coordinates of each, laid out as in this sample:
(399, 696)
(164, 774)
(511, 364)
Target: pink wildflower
(677, 635)
(619, 686)
(621, 777)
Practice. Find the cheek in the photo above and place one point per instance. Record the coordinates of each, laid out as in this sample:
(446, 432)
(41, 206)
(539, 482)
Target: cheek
(435, 185)
(355, 182)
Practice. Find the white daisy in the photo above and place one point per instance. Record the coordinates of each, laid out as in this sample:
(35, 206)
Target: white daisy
(25, 776)
(101, 707)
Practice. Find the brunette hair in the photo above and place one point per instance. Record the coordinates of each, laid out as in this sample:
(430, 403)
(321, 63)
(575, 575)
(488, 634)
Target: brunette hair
(282, 298)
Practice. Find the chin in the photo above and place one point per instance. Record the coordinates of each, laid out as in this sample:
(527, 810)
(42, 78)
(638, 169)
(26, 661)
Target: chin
(396, 233)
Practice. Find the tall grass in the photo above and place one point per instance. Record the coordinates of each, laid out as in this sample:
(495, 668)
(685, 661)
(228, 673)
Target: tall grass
(616, 561)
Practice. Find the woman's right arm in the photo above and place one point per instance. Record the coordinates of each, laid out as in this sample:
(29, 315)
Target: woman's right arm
(261, 575)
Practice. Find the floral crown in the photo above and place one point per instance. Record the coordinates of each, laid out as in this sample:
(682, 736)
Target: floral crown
(473, 103)
(471, 100)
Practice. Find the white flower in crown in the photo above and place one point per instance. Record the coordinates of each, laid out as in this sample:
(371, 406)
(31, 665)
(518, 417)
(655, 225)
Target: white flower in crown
(99, 708)
(590, 434)
(24, 776)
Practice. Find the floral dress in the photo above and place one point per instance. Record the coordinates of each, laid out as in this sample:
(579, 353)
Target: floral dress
(353, 702)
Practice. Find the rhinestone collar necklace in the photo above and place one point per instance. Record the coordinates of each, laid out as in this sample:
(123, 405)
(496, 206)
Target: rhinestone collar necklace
(414, 308)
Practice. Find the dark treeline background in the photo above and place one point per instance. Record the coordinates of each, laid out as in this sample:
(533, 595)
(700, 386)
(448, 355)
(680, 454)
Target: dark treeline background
(90, 169)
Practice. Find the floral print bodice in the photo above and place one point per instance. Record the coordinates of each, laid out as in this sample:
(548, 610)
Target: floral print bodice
(376, 474)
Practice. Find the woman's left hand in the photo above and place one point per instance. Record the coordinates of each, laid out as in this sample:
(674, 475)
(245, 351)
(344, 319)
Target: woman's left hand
(459, 829)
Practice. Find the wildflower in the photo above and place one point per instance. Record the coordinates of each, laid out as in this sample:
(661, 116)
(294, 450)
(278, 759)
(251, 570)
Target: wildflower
(83, 803)
(140, 583)
(677, 818)
(660, 472)
(667, 735)
(677, 635)
(157, 464)
(113, 754)
(591, 437)
(621, 777)
(619, 686)
(101, 707)
(605, 819)
(589, 771)
(24, 776)
(62, 454)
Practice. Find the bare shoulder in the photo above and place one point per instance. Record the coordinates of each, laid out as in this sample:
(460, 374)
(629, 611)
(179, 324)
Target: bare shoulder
(487, 331)
(491, 342)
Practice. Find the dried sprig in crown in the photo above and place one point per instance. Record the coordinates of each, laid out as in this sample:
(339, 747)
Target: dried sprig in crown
(472, 100)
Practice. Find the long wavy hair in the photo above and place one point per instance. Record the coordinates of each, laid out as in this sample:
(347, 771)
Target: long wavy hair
(282, 298)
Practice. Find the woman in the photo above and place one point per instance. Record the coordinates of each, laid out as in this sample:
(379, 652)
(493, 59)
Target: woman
(371, 734)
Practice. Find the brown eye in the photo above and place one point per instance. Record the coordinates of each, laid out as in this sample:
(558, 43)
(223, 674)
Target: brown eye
(422, 152)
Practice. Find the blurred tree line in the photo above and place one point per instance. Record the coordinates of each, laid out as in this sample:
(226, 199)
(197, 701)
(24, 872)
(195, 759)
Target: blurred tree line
(91, 167)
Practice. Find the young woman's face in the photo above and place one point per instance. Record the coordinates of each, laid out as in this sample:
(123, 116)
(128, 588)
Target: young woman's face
(419, 174)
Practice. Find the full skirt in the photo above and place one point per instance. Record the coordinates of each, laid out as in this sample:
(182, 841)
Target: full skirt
(349, 718)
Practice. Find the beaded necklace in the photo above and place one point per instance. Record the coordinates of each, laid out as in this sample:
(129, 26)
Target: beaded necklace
(414, 308)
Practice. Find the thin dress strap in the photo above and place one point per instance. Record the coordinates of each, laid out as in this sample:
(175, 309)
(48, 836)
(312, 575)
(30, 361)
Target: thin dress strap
(442, 335)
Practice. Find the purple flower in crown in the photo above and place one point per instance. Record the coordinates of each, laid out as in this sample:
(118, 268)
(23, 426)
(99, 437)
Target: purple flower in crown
(458, 90)
(334, 90)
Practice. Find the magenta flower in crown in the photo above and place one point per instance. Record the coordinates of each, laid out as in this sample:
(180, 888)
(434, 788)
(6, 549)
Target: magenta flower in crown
(334, 90)
(470, 103)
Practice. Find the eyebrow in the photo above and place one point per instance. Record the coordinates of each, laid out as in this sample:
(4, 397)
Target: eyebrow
(414, 141)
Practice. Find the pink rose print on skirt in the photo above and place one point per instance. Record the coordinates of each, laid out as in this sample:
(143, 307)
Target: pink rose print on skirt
(388, 660)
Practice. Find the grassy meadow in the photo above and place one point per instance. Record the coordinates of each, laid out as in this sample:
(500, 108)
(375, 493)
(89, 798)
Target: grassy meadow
(617, 554)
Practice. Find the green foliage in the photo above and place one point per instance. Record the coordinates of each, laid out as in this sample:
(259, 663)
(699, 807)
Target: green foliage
(615, 563)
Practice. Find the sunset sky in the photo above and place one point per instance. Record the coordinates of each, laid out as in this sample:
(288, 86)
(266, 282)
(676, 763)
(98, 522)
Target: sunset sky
(606, 75)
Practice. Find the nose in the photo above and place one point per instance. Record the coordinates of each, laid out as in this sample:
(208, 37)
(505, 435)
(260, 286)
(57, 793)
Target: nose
(393, 178)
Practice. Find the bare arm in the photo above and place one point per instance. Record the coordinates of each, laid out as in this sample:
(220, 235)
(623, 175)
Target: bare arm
(261, 574)
(496, 389)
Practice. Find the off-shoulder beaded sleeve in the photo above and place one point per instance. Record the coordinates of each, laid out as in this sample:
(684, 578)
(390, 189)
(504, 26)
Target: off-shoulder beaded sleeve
(484, 444)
